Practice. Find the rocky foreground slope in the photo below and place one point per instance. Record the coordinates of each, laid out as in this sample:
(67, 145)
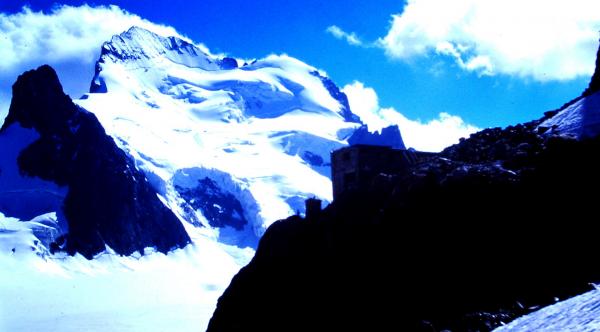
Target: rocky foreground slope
(486, 231)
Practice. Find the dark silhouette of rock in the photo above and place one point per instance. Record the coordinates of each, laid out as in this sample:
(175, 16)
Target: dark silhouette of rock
(98, 85)
(389, 136)
(595, 82)
(338, 95)
(228, 63)
(464, 241)
(356, 166)
(109, 201)
(219, 207)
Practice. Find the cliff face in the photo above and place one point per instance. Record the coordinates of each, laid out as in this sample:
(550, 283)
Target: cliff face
(465, 241)
(595, 82)
(109, 202)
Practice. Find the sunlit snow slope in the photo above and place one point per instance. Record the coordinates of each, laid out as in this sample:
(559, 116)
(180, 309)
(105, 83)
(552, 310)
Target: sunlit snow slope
(579, 120)
(150, 293)
(581, 314)
(226, 143)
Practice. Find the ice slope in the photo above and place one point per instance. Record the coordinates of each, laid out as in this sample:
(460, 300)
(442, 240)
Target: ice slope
(579, 120)
(580, 313)
(261, 133)
(154, 292)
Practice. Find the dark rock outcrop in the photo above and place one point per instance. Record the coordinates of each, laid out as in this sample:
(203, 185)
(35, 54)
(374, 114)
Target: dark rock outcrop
(228, 63)
(98, 84)
(389, 136)
(219, 207)
(474, 237)
(109, 201)
(338, 95)
(595, 82)
(465, 240)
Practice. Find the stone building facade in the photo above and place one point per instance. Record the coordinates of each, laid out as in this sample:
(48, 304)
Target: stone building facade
(354, 167)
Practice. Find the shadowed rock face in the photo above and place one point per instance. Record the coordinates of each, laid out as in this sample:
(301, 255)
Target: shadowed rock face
(595, 82)
(389, 136)
(466, 240)
(338, 95)
(457, 243)
(109, 203)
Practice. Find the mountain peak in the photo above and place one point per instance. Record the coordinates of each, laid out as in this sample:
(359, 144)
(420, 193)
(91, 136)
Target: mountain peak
(142, 47)
(137, 30)
(271, 123)
(39, 101)
(389, 136)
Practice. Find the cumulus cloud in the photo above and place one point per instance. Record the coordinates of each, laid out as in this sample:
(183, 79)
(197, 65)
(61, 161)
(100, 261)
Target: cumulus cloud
(539, 39)
(433, 135)
(68, 38)
(350, 38)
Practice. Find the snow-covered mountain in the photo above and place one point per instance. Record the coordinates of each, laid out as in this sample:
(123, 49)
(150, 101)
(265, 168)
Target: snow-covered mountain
(227, 144)
(213, 144)
(217, 145)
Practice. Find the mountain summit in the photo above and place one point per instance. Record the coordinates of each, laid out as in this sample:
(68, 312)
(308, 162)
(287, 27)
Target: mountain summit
(142, 47)
(228, 144)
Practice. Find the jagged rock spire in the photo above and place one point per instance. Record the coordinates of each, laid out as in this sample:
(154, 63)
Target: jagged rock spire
(109, 201)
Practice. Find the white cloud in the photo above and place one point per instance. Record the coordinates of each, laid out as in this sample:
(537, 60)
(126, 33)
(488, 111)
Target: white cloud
(539, 39)
(350, 38)
(433, 135)
(68, 38)
(64, 33)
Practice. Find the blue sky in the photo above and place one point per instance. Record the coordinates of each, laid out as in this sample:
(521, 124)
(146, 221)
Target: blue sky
(420, 83)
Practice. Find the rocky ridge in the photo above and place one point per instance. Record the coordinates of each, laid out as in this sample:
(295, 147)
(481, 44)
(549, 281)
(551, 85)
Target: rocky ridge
(109, 202)
(467, 240)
